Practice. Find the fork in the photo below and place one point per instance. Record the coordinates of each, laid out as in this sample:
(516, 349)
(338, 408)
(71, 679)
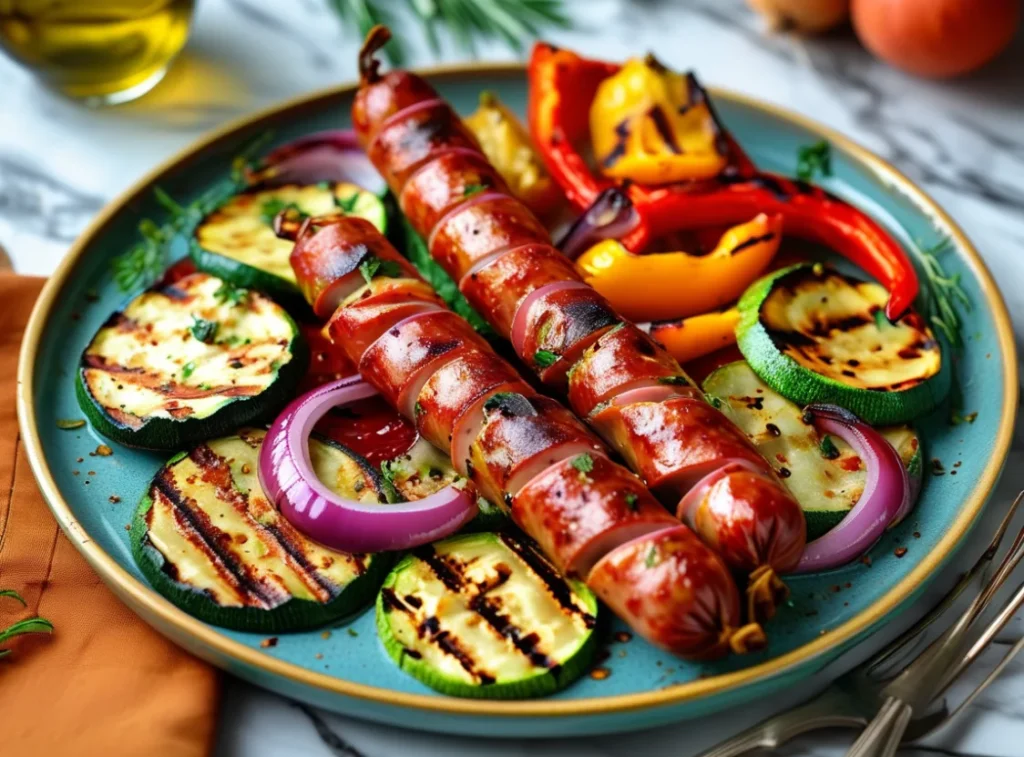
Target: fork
(853, 700)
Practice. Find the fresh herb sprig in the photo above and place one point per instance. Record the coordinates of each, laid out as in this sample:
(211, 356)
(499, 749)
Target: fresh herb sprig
(814, 160)
(514, 21)
(945, 294)
(28, 625)
(145, 262)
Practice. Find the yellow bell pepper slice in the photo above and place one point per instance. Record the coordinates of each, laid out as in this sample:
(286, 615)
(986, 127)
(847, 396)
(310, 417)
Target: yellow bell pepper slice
(650, 125)
(506, 143)
(699, 335)
(669, 285)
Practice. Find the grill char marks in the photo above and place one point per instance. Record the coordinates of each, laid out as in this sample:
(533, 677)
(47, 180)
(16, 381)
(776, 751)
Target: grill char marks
(554, 584)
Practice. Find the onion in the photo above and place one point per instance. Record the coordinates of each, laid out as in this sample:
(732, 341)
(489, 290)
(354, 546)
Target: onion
(686, 510)
(522, 312)
(886, 492)
(288, 479)
(655, 393)
(332, 155)
(611, 216)
(936, 38)
(804, 16)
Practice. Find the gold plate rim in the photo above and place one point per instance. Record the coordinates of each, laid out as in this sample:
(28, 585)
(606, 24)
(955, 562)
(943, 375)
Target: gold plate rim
(155, 609)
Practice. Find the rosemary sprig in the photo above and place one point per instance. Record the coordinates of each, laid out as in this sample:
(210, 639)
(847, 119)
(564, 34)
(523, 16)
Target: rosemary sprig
(944, 294)
(514, 21)
(145, 262)
(28, 625)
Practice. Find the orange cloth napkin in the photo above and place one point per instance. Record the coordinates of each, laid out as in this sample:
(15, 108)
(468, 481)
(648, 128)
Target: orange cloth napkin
(104, 683)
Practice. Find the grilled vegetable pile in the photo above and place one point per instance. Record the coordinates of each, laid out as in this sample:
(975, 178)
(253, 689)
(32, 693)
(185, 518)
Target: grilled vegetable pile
(507, 519)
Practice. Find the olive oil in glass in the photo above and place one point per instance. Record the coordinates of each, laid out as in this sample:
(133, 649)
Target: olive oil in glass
(100, 51)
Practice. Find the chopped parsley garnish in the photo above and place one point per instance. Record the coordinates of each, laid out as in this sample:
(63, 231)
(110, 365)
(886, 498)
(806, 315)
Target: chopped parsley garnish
(814, 160)
(418, 409)
(631, 500)
(472, 189)
(881, 321)
(652, 557)
(230, 294)
(348, 204)
(273, 206)
(545, 358)
(323, 185)
(204, 330)
(188, 369)
(584, 463)
(495, 401)
(828, 448)
(372, 266)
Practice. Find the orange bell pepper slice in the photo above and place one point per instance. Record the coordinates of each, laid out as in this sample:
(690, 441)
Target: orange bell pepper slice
(699, 335)
(672, 285)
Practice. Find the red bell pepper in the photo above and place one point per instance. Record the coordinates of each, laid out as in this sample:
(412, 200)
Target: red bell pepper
(562, 86)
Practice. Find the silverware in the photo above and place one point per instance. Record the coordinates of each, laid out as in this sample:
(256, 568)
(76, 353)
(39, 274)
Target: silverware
(871, 689)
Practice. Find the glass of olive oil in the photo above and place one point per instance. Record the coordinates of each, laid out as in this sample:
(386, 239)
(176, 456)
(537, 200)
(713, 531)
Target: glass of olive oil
(100, 51)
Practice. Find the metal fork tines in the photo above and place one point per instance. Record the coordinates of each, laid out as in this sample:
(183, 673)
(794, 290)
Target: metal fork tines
(877, 685)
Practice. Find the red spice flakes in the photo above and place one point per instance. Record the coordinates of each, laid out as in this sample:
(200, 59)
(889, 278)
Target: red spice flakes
(246, 468)
(958, 463)
(270, 641)
(848, 585)
(114, 499)
(318, 656)
(104, 451)
(127, 526)
(623, 636)
(79, 459)
(836, 589)
(866, 559)
(91, 473)
(599, 674)
(917, 534)
(900, 551)
(75, 472)
(325, 635)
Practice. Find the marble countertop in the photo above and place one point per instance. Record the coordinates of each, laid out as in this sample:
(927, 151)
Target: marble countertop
(963, 141)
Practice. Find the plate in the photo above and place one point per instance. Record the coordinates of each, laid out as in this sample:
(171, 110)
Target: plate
(347, 670)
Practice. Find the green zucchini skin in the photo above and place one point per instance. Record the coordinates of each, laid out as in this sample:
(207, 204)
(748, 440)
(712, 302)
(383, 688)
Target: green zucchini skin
(542, 680)
(167, 433)
(804, 386)
(825, 486)
(280, 286)
(295, 614)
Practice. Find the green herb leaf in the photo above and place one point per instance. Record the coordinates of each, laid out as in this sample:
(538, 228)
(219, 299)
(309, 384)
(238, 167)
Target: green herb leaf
(273, 206)
(652, 557)
(11, 593)
(828, 448)
(204, 330)
(631, 500)
(418, 409)
(228, 293)
(353, 632)
(373, 266)
(473, 189)
(814, 160)
(348, 204)
(674, 380)
(29, 625)
(68, 424)
(495, 400)
(188, 369)
(584, 463)
(325, 185)
(545, 358)
(881, 322)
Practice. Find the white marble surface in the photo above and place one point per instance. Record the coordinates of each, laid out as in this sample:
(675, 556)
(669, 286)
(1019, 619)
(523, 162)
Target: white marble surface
(963, 141)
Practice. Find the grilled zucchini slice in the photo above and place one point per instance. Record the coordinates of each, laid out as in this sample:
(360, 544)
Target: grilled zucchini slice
(486, 616)
(189, 361)
(208, 539)
(826, 477)
(815, 335)
(237, 241)
(423, 470)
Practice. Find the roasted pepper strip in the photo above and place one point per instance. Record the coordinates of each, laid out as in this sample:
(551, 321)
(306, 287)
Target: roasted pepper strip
(668, 285)
(696, 336)
(649, 124)
(506, 143)
(562, 87)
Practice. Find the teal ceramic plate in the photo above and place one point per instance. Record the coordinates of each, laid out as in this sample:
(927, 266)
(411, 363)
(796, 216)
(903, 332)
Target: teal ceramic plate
(645, 687)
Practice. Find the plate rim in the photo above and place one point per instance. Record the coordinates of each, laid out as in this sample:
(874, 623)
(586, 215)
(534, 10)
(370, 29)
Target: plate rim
(147, 602)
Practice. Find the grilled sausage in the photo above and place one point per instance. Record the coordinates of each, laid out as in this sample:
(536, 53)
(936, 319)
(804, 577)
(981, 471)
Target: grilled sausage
(671, 444)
